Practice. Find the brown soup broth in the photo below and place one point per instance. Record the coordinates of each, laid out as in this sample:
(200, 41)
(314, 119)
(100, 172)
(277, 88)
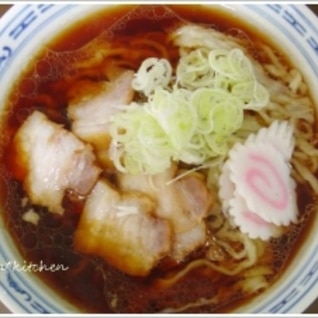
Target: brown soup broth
(90, 283)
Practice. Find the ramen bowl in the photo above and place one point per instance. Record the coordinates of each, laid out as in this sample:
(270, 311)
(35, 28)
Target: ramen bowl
(26, 28)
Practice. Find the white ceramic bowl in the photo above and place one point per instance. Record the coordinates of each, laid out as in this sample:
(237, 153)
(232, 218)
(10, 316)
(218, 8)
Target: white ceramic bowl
(25, 27)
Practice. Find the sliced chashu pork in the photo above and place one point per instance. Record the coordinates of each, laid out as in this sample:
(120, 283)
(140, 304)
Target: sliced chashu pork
(53, 160)
(120, 228)
(184, 203)
(92, 104)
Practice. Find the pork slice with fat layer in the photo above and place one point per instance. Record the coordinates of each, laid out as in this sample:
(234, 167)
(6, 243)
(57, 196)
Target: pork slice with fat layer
(120, 228)
(54, 161)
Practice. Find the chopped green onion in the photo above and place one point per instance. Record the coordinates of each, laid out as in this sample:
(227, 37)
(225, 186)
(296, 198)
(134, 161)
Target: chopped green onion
(188, 118)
